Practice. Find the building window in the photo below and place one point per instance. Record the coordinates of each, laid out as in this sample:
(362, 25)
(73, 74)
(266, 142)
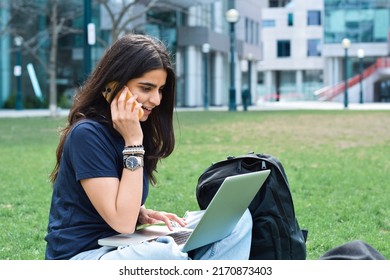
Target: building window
(290, 19)
(314, 47)
(268, 23)
(278, 3)
(246, 29)
(284, 48)
(251, 31)
(312, 81)
(313, 17)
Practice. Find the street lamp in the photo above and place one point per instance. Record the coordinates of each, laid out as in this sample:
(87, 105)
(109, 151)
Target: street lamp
(205, 51)
(232, 16)
(346, 43)
(18, 41)
(360, 54)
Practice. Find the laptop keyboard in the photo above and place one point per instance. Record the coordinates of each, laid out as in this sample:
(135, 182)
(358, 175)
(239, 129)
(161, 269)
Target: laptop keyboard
(180, 237)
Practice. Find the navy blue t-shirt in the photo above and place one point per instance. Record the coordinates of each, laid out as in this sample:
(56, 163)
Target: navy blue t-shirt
(90, 151)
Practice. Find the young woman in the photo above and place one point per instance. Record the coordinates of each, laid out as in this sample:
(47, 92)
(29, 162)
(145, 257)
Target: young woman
(119, 127)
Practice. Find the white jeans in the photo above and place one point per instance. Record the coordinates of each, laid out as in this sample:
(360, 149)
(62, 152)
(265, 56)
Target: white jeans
(236, 246)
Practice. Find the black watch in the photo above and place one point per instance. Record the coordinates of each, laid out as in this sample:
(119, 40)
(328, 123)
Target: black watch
(133, 162)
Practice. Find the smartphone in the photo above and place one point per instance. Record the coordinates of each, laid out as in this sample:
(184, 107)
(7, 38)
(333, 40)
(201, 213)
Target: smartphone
(112, 86)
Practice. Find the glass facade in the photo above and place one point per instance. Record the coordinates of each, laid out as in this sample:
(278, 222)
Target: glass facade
(32, 21)
(68, 55)
(365, 21)
(286, 83)
(162, 25)
(312, 80)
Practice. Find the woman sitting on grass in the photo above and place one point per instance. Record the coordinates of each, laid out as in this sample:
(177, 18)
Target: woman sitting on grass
(108, 154)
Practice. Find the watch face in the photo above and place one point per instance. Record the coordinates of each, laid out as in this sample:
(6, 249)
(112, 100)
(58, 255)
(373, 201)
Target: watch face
(132, 162)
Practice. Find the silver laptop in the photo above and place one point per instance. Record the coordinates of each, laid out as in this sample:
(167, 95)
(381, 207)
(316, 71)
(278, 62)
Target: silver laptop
(217, 222)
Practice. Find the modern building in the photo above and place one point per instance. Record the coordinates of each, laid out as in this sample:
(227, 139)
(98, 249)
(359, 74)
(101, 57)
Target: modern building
(292, 39)
(203, 52)
(282, 49)
(366, 25)
(196, 32)
(303, 55)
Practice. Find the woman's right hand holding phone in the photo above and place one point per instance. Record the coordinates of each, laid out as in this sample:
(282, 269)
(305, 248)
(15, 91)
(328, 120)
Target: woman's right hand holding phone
(125, 111)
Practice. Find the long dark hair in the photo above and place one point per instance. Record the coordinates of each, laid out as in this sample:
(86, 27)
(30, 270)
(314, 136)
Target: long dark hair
(128, 58)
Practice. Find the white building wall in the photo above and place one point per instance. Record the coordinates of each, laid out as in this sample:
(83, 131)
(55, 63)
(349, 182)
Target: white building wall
(193, 77)
(218, 86)
(298, 34)
(193, 64)
(249, 50)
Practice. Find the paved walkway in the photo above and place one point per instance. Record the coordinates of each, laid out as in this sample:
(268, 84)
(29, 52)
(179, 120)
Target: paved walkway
(9, 113)
(315, 105)
(301, 105)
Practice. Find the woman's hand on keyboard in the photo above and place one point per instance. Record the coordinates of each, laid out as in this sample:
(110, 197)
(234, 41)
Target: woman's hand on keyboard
(148, 216)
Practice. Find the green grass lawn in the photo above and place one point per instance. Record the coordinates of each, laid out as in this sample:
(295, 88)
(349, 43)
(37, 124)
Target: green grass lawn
(337, 163)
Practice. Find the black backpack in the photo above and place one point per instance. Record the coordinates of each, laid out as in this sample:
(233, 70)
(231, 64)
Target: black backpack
(276, 234)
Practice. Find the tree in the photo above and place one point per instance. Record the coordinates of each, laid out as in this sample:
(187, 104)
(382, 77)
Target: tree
(125, 12)
(29, 13)
(57, 28)
(57, 17)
